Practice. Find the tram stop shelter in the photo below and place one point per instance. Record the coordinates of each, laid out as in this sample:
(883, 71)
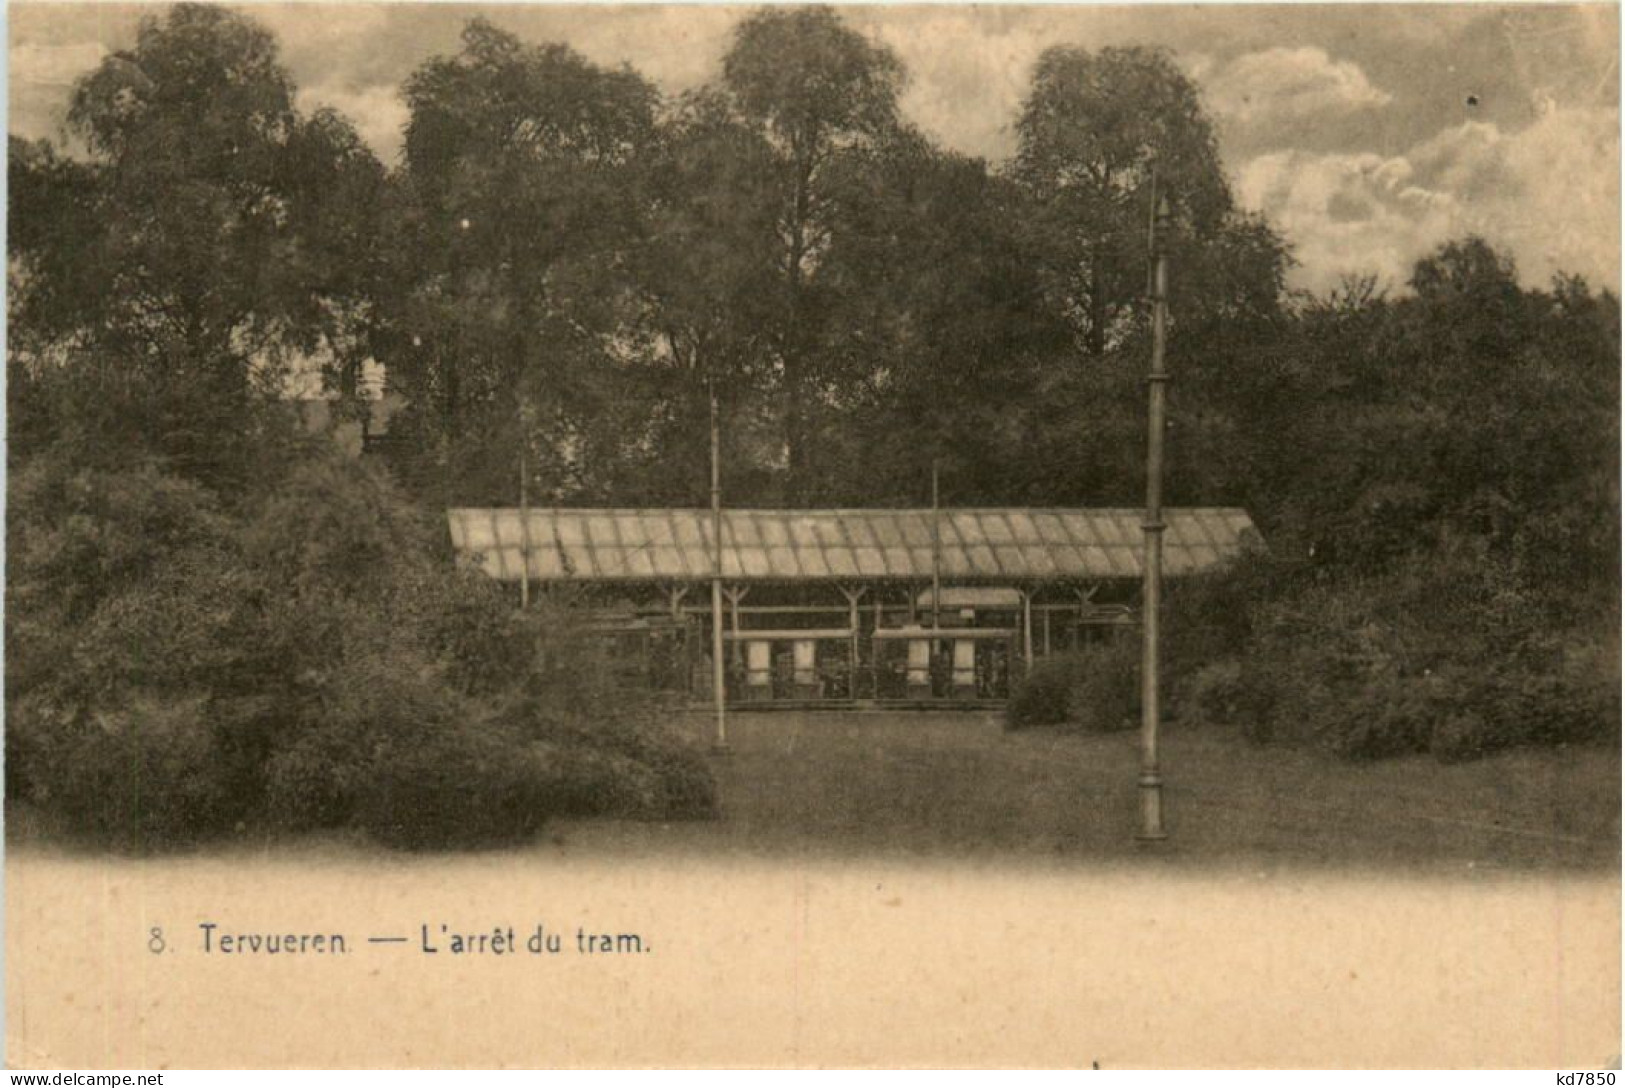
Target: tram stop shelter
(844, 607)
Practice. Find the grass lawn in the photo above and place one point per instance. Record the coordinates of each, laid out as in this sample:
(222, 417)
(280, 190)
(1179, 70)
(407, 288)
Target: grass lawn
(940, 784)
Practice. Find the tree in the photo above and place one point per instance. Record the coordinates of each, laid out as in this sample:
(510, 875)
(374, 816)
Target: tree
(517, 227)
(821, 96)
(1094, 130)
(940, 330)
(213, 234)
(710, 246)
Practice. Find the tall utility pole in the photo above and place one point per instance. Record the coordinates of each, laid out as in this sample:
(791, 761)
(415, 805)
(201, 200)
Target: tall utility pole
(524, 504)
(936, 554)
(1151, 621)
(720, 741)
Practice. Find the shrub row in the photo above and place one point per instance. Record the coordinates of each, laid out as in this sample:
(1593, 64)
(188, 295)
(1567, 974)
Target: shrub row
(1450, 654)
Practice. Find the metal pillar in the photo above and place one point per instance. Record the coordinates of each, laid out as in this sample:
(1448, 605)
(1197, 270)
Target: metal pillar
(1027, 630)
(735, 595)
(1151, 828)
(718, 677)
(524, 507)
(936, 552)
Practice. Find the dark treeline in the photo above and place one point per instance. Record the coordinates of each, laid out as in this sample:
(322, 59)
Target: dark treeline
(564, 263)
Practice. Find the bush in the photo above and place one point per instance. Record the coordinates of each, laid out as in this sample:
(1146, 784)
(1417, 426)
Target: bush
(151, 775)
(1449, 654)
(629, 764)
(1096, 689)
(1212, 694)
(1044, 696)
(449, 783)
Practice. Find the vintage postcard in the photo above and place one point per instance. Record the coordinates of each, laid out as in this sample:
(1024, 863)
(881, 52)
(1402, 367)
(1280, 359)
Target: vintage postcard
(1069, 536)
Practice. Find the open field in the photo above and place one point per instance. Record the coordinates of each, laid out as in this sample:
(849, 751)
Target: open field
(914, 890)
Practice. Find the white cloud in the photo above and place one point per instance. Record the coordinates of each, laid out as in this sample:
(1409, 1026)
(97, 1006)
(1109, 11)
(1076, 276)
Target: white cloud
(42, 78)
(1548, 195)
(53, 65)
(968, 96)
(1283, 84)
(378, 113)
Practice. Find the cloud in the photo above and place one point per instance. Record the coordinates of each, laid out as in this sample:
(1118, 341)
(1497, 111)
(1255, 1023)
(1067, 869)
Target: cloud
(42, 78)
(54, 65)
(377, 112)
(1548, 195)
(967, 96)
(1283, 84)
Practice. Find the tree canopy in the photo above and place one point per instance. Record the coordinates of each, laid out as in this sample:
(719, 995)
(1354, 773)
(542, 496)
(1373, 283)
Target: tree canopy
(564, 265)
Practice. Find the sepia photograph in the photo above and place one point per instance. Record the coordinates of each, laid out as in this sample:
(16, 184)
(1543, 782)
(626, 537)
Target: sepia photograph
(865, 536)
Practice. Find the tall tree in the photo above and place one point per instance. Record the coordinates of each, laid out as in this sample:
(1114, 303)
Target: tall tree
(709, 248)
(822, 96)
(940, 331)
(519, 220)
(214, 233)
(1093, 131)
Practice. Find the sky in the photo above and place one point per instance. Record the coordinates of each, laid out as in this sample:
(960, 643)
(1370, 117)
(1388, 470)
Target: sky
(1367, 134)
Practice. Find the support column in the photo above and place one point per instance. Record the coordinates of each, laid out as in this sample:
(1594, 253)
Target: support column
(852, 596)
(524, 521)
(735, 594)
(1085, 597)
(1027, 630)
(675, 594)
(718, 678)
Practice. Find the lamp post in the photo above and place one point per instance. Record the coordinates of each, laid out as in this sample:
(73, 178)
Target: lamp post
(936, 555)
(718, 677)
(1151, 829)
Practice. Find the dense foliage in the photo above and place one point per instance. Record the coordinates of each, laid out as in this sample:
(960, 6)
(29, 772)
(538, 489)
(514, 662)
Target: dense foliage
(306, 658)
(1095, 689)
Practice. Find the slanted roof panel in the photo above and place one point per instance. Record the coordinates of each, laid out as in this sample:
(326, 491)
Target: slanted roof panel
(1036, 560)
(1023, 529)
(842, 563)
(1080, 527)
(963, 526)
(803, 531)
(639, 564)
(687, 528)
(870, 562)
(964, 562)
(1051, 529)
(995, 528)
(570, 527)
(668, 562)
(544, 564)
(774, 532)
(506, 526)
(916, 529)
(781, 563)
(812, 563)
(1125, 561)
(887, 529)
(755, 562)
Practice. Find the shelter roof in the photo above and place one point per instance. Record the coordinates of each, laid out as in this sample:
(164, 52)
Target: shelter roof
(978, 546)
